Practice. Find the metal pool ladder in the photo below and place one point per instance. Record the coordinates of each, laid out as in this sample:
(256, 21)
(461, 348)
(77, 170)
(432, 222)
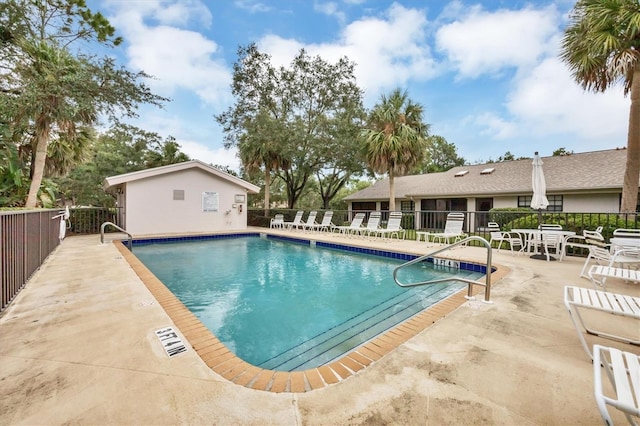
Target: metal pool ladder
(104, 225)
(470, 283)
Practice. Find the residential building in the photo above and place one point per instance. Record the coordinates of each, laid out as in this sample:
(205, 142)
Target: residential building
(582, 182)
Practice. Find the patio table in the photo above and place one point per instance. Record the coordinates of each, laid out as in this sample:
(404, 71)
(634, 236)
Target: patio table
(618, 243)
(537, 234)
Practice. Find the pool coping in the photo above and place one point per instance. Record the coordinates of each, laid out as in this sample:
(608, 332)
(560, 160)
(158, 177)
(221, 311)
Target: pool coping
(225, 363)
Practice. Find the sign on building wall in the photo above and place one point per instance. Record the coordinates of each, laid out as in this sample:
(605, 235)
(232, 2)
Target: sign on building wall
(210, 201)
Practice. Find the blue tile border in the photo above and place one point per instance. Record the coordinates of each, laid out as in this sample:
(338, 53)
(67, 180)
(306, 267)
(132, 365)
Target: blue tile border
(468, 266)
(170, 240)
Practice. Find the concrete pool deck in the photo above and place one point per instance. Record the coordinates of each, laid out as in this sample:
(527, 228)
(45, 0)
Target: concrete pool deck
(79, 346)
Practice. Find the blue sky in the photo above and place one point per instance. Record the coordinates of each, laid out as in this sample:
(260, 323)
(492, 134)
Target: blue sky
(487, 72)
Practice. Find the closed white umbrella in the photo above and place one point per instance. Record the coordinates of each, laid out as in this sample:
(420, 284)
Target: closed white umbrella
(539, 200)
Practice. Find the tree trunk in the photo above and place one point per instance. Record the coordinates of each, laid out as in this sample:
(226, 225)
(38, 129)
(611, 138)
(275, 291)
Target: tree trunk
(267, 185)
(42, 137)
(632, 169)
(392, 192)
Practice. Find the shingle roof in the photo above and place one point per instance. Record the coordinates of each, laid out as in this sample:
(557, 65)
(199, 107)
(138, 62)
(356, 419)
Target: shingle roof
(171, 168)
(581, 172)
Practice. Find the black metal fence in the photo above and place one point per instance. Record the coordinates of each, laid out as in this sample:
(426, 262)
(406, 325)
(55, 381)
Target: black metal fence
(87, 220)
(475, 222)
(26, 239)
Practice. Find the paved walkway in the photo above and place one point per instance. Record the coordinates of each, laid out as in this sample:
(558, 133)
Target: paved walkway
(78, 347)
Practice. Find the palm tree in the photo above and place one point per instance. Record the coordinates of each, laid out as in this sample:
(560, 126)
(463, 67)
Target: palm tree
(54, 74)
(395, 140)
(601, 45)
(258, 147)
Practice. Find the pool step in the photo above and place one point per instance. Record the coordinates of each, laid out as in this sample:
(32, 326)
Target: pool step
(344, 337)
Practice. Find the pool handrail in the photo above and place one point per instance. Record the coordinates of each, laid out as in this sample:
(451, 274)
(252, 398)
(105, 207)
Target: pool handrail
(470, 283)
(104, 225)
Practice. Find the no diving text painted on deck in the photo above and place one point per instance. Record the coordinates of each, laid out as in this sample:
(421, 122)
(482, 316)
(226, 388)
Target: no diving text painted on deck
(170, 341)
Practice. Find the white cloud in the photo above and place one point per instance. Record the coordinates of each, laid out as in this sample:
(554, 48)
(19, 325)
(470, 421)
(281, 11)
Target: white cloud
(177, 58)
(217, 156)
(495, 126)
(282, 51)
(388, 51)
(183, 12)
(165, 12)
(330, 9)
(543, 102)
(483, 42)
(195, 140)
(546, 103)
(252, 6)
(549, 101)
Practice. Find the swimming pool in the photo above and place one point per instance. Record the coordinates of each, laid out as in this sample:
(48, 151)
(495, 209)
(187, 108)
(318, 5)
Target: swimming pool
(281, 304)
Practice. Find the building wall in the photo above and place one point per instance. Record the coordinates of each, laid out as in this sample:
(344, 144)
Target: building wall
(151, 208)
(581, 203)
(596, 203)
(505, 202)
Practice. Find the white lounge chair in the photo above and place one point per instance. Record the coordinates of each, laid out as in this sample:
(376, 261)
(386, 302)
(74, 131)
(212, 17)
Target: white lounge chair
(576, 298)
(500, 236)
(354, 227)
(325, 225)
(393, 226)
(311, 221)
(602, 255)
(297, 221)
(623, 370)
(277, 221)
(452, 230)
(598, 274)
(373, 224)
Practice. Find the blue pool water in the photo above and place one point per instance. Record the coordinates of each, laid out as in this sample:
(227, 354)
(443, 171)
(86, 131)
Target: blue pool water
(287, 306)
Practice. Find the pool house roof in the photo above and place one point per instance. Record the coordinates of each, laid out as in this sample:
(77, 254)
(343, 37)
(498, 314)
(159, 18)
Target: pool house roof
(588, 172)
(113, 181)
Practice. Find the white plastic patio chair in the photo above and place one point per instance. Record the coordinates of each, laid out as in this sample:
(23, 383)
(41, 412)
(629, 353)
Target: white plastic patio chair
(452, 230)
(311, 221)
(277, 221)
(544, 241)
(297, 221)
(580, 241)
(373, 225)
(511, 238)
(393, 227)
(354, 227)
(325, 225)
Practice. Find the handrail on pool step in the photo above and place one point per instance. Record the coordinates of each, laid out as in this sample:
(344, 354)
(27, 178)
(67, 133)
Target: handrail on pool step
(470, 283)
(104, 225)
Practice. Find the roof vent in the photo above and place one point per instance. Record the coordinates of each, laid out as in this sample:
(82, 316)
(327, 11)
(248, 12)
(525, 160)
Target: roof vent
(487, 171)
(461, 173)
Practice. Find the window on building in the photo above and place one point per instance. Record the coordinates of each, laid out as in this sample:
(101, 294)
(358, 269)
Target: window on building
(364, 206)
(524, 201)
(406, 206)
(458, 205)
(555, 202)
(444, 204)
